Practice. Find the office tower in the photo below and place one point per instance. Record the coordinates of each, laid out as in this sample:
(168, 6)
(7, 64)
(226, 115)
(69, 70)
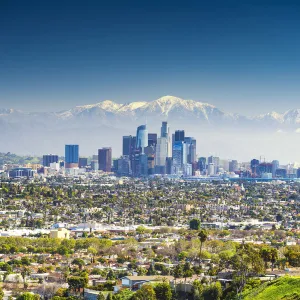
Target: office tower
(233, 166)
(128, 144)
(211, 169)
(152, 139)
(298, 173)
(83, 162)
(169, 165)
(161, 152)
(254, 163)
(179, 136)
(164, 131)
(275, 166)
(190, 149)
(115, 166)
(264, 168)
(71, 156)
(49, 159)
(202, 164)
(142, 137)
(281, 173)
(105, 159)
(143, 164)
(216, 161)
(95, 165)
(123, 166)
(179, 156)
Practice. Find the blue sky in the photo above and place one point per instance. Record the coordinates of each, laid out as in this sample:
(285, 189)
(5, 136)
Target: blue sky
(242, 56)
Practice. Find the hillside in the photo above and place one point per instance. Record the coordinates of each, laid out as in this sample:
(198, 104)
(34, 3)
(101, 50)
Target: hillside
(10, 158)
(287, 288)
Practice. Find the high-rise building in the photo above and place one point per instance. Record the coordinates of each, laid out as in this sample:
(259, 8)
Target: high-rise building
(215, 161)
(71, 156)
(233, 166)
(142, 137)
(49, 159)
(128, 144)
(275, 166)
(83, 162)
(105, 159)
(164, 132)
(179, 136)
(202, 164)
(169, 166)
(152, 139)
(179, 156)
(190, 149)
(123, 166)
(211, 169)
(254, 167)
(161, 151)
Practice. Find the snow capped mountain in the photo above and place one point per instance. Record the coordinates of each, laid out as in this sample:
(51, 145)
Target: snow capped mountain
(103, 124)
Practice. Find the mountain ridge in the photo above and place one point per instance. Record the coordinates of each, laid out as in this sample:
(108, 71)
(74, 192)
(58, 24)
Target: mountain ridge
(163, 105)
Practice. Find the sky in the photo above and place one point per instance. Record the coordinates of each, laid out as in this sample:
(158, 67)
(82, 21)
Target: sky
(242, 56)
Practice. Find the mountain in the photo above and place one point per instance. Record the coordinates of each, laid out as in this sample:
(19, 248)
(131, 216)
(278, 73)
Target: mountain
(104, 123)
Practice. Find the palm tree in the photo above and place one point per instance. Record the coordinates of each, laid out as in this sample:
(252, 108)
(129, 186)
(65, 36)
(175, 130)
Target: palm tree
(202, 237)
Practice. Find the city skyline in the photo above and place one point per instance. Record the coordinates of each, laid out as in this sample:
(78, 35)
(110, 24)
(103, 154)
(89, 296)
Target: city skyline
(241, 57)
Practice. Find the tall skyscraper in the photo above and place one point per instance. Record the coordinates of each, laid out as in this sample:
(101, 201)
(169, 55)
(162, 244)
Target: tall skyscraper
(161, 152)
(105, 159)
(179, 136)
(49, 159)
(190, 149)
(202, 164)
(127, 144)
(254, 166)
(142, 137)
(164, 132)
(275, 166)
(179, 156)
(71, 156)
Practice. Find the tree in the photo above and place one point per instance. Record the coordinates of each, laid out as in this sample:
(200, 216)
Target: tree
(187, 272)
(109, 297)
(213, 292)
(146, 292)
(197, 290)
(195, 224)
(202, 237)
(246, 261)
(125, 294)
(78, 262)
(28, 296)
(163, 291)
(151, 270)
(1, 293)
(25, 272)
(178, 273)
(101, 296)
(76, 283)
(110, 275)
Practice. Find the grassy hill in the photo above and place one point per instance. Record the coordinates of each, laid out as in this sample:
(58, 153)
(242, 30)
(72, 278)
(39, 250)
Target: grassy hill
(287, 288)
(10, 158)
